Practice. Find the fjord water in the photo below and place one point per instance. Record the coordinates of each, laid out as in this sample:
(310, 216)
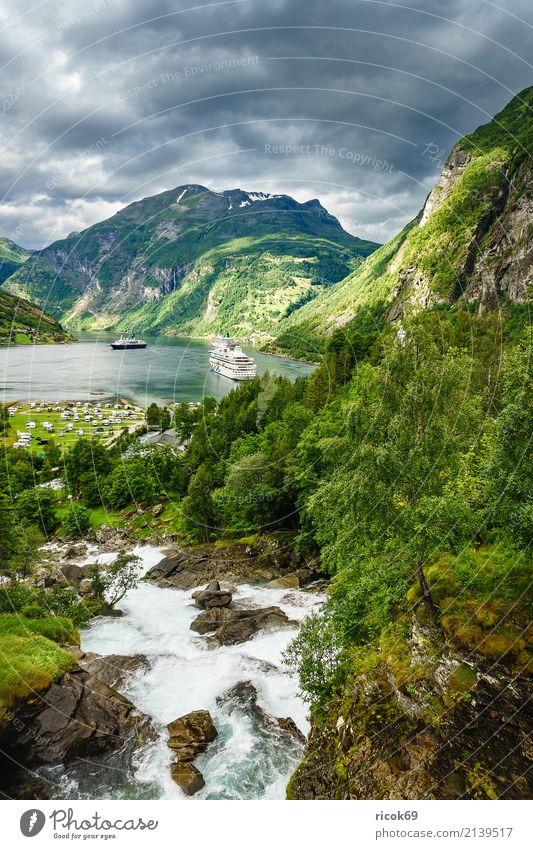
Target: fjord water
(186, 675)
(168, 370)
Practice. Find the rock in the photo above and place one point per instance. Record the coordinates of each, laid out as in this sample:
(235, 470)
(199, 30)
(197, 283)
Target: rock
(191, 734)
(289, 582)
(50, 580)
(157, 509)
(428, 747)
(243, 696)
(188, 777)
(210, 620)
(78, 653)
(238, 630)
(289, 725)
(85, 587)
(112, 612)
(294, 580)
(209, 598)
(78, 716)
(73, 574)
(236, 625)
(170, 564)
(114, 669)
(193, 566)
(77, 550)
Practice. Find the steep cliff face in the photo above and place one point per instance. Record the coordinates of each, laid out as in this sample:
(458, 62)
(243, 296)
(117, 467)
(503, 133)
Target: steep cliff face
(472, 241)
(195, 261)
(422, 721)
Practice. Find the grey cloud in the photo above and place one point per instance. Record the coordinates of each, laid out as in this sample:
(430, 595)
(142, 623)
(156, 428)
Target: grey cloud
(118, 100)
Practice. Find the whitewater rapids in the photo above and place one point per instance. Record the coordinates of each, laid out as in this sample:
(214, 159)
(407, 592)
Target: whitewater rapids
(185, 675)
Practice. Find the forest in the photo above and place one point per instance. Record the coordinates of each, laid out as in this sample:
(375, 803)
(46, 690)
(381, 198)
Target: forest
(401, 467)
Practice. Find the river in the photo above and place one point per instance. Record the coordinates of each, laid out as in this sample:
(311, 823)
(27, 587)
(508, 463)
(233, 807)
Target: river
(168, 370)
(185, 675)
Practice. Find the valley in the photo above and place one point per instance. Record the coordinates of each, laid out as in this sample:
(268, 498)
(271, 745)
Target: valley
(351, 540)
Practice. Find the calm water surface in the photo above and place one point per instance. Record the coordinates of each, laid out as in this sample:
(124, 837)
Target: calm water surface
(168, 370)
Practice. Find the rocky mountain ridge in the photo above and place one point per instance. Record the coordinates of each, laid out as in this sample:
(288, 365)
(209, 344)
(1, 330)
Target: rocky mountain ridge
(193, 261)
(471, 243)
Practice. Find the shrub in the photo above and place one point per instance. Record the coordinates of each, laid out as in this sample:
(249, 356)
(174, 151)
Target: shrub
(76, 521)
(315, 655)
(33, 611)
(15, 597)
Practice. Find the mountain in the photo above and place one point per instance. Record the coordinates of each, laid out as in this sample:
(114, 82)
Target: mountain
(193, 261)
(11, 257)
(24, 322)
(472, 241)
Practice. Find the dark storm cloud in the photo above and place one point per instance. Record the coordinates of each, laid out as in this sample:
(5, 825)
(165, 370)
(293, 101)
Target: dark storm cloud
(105, 101)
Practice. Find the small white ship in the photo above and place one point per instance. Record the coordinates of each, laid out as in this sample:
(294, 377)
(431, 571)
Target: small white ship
(228, 359)
(131, 343)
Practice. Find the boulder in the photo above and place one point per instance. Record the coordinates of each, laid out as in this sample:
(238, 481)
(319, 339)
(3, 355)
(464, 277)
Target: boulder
(78, 716)
(114, 669)
(190, 735)
(289, 725)
(298, 578)
(112, 612)
(85, 587)
(249, 622)
(157, 509)
(209, 620)
(194, 566)
(207, 599)
(243, 697)
(289, 582)
(74, 574)
(77, 550)
(188, 777)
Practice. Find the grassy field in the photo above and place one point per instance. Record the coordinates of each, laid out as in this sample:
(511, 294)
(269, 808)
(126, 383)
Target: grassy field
(131, 417)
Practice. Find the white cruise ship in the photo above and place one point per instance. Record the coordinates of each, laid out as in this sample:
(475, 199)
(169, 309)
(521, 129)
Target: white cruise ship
(228, 359)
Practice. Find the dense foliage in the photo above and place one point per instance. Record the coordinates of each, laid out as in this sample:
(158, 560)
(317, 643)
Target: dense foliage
(402, 464)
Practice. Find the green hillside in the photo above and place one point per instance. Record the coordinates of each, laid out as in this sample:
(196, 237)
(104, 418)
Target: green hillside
(11, 257)
(194, 261)
(472, 242)
(22, 322)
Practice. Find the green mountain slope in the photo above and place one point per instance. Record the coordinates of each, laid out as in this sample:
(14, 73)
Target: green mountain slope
(194, 261)
(11, 257)
(472, 242)
(24, 322)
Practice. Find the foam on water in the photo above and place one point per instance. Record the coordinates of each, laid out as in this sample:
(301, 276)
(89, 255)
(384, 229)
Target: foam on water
(185, 675)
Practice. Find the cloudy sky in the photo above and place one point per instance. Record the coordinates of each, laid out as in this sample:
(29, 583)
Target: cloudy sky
(356, 102)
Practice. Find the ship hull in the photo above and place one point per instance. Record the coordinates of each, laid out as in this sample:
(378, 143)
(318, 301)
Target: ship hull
(225, 372)
(117, 347)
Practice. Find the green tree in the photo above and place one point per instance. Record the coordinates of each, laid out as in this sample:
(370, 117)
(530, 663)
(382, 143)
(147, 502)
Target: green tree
(250, 499)
(111, 584)
(76, 521)
(385, 501)
(37, 506)
(509, 465)
(153, 415)
(315, 656)
(131, 481)
(197, 507)
(184, 420)
(8, 532)
(87, 463)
